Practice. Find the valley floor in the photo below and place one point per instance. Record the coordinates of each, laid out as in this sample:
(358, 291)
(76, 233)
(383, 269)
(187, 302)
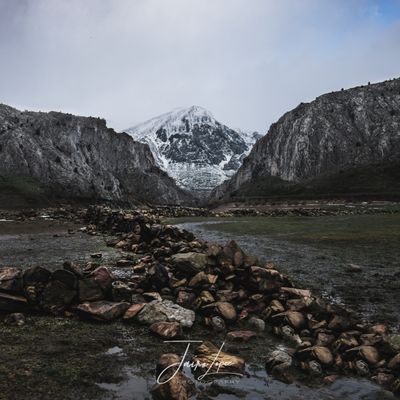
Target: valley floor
(58, 358)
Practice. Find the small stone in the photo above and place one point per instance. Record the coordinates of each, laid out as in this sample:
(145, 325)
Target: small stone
(329, 379)
(226, 310)
(383, 379)
(133, 310)
(379, 329)
(257, 323)
(241, 336)
(102, 310)
(96, 255)
(75, 269)
(121, 291)
(393, 342)
(167, 330)
(354, 268)
(394, 362)
(11, 279)
(125, 263)
(280, 359)
(296, 292)
(323, 355)
(15, 319)
(218, 324)
(150, 296)
(185, 299)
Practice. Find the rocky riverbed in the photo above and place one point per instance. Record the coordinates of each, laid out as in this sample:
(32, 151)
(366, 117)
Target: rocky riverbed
(164, 283)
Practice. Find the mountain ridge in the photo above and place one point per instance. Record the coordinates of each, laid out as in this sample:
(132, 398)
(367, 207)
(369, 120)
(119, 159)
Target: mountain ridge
(198, 151)
(334, 132)
(81, 158)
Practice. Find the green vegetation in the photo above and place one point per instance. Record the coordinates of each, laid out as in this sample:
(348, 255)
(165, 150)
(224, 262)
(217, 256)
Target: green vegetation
(338, 228)
(18, 191)
(371, 181)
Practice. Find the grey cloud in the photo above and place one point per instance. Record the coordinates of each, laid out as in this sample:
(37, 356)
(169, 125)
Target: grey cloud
(247, 61)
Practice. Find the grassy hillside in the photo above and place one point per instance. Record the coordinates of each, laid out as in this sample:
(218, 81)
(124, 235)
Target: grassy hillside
(21, 191)
(381, 181)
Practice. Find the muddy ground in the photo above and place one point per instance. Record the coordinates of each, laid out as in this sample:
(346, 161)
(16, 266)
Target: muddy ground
(66, 358)
(317, 253)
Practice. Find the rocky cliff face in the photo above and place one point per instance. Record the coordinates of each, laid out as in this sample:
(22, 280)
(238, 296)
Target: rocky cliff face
(335, 132)
(79, 157)
(194, 148)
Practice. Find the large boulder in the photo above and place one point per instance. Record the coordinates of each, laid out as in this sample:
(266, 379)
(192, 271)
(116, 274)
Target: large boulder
(190, 263)
(103, 277)
(102, 310)
(166, 311)
(89, 290)
(57, 296)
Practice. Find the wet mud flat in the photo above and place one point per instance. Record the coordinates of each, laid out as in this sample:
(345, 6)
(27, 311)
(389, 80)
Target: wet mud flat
(48, 243)
(320, 253)
(59, 358)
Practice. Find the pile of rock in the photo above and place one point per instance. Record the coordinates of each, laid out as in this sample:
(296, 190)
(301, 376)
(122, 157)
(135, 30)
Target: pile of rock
(175, 280)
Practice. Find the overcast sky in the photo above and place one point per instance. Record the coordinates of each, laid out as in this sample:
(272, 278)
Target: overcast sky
(247, 61)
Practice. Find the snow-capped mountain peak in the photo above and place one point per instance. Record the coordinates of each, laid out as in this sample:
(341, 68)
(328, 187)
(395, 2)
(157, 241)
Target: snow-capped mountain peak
(193, 147)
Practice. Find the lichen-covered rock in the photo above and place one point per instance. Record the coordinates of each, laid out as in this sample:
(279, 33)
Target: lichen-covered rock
(190, 262)
(162, 311)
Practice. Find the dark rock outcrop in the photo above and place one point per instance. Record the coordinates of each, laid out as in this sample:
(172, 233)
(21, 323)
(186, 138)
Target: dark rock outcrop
(334, 133)
(74, 157)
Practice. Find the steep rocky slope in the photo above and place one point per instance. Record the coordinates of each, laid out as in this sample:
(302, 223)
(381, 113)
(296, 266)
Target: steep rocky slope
(336, 132)
(193, 147)
(80, 158)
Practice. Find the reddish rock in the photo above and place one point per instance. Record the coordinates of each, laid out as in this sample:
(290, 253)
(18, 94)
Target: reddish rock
(102, 310)
(167, 330)
(241, 336)
(15, 319)
(133, 310)
(10, 279)
(103, 277)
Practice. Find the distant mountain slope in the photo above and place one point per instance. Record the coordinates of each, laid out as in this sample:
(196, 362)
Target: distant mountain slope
(80, 158)
(334, 133)
(193, 147)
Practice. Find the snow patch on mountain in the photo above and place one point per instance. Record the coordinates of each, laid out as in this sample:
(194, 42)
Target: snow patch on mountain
(194, 148)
